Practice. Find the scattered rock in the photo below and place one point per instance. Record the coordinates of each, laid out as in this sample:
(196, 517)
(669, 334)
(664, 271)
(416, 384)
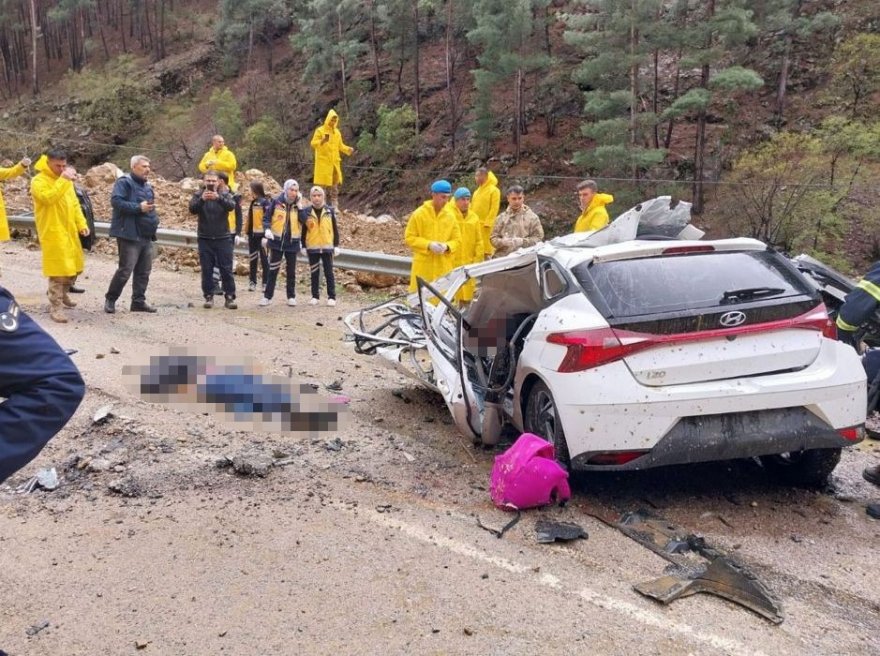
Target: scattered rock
(126, 487)
(252, 463)
(334, 445)
(34, 629)
(47, 479)
(873, 510)
(102, 414)
(409, 457)
(114, 350)
(141, 644)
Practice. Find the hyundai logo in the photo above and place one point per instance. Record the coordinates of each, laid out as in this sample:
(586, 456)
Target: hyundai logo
(731, 319)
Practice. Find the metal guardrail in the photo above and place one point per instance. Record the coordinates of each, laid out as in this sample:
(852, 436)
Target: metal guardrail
(391, 265)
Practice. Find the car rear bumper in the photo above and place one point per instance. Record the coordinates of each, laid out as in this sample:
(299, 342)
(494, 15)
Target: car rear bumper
(729, 436)
(605, 410)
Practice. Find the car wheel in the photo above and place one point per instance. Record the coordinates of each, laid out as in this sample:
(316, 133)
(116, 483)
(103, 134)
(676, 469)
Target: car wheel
(542, 419)
(810, 468)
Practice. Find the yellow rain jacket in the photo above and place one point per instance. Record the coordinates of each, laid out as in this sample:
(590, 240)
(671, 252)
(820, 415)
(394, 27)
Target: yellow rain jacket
(472, 249)
(485, 204)
(6, 174)
(424, 226)
(224, 160)
(595, 215)
(328, 154)
(59, 219)
(321, 233)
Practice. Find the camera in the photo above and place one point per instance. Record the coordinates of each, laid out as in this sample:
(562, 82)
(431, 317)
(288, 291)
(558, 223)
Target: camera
(210, 186)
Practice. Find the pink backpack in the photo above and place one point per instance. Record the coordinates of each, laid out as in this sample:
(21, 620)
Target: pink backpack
(528, 476)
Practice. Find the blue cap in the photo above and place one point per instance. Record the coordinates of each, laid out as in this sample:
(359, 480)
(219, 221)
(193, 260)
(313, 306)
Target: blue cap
(462, 192)
(441, 187)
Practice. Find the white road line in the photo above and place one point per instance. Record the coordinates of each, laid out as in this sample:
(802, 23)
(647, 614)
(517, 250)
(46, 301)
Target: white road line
(599, 599)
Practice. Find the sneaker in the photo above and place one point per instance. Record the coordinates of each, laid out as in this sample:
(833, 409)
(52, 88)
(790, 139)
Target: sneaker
(291, 302)
(209, 302)
(230, 303)
(872, 474)
(109, 306)
(142, 307)
(314, 301)
(264, 301)
(331, 302)
(252, 286)
(73, 289)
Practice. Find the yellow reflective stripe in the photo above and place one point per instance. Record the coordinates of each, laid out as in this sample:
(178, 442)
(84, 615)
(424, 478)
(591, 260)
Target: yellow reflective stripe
(843, 325)
(871, 288)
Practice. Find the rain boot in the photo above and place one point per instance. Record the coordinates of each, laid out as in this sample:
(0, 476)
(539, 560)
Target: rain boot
(56, 299)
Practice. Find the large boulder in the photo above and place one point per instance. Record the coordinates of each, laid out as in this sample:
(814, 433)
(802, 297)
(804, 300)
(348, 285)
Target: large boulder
(190, 185)
(102, 175)
(369, 280)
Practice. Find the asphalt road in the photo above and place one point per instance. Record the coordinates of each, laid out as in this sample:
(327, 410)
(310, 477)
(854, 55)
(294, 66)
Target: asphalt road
(365, 541)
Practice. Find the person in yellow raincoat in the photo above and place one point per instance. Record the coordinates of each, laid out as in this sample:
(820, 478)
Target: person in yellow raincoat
(220, 158)
(60, 222)
(472, 248)
(329, 149)
(7, 174)
(486, 204)
(433, 235)
(593, 213)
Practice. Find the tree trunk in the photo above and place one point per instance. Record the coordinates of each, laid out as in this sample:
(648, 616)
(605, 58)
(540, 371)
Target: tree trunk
(633, 88)
(517, 114)
(35, 83)
(418, 88)
(700, 141)
(782, 87)
(667, 140)
(341, 60)
(374, 45)
(449, 93)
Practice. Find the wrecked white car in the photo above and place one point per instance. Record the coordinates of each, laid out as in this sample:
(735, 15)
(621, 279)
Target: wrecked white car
(635, 346)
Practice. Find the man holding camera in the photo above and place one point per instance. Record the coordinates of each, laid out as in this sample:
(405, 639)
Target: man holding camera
(329, 149)
(134, 224)
(212, 205)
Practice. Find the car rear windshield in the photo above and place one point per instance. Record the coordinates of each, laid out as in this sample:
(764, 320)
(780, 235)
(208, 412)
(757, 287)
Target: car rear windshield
(657, 285)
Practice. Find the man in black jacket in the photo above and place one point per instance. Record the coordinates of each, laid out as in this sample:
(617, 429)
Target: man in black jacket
(134, 225)
(212, 205)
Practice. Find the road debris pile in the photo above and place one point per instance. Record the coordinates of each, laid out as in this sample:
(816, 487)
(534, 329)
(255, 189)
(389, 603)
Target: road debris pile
(358, 231)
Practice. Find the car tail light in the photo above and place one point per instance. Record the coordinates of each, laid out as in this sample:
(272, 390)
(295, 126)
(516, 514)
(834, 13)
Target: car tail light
(684, 250)
(830, 329)
(592, 348)
(615, 457)
(853, 433)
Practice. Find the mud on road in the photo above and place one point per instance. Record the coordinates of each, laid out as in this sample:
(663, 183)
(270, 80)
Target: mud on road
(365, 541)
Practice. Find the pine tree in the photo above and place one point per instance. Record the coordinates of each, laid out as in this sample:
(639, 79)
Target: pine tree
(505, 32)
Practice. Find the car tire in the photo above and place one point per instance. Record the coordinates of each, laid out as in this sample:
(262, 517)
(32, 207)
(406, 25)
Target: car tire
(810, 468)
(542, 419)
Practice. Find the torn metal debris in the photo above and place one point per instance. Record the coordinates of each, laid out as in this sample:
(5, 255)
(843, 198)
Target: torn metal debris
(549, 531)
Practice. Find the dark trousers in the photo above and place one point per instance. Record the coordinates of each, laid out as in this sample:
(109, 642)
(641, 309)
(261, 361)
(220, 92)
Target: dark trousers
(257, 254)
(40, 383)
(275, 256)
(216, 253)
(135, 256)
(325, 259)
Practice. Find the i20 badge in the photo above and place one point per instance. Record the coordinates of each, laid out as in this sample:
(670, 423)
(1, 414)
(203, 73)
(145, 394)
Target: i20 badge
(732, 319)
